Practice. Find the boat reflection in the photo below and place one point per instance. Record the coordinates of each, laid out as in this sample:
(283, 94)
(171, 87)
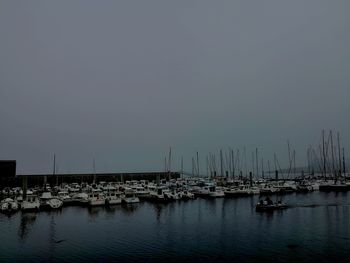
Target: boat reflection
(158, 207)
(27, 221)
(95, 211)
(130, 207)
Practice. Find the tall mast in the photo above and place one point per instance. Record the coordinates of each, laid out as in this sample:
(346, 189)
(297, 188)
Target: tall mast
(192, 167)
(312, 160)
(54, 168)
(197, 164)
(94, 170)
(339, 155)
(294, 168)
(239, 163)
(233, 163)
(54, 164)
(321, 160)
(207, 164)
(253, 163)
(308, 159)
(221, 168)
(214, 163)
(210, 166)
(228, 162)
(289, 158)
(165, 165)
(169, 168)
(257, 162)
(182, 166)
(324, 156)
(333, 169)
(344, 171)
(245, 161)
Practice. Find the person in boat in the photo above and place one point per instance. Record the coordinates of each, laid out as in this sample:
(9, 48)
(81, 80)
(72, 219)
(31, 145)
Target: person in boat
(268, 201)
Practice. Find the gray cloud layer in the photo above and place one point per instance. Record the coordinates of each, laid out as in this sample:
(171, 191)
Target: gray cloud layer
(124, 80)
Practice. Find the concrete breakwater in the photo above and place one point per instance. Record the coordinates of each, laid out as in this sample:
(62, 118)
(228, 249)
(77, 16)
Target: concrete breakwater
(55, 179)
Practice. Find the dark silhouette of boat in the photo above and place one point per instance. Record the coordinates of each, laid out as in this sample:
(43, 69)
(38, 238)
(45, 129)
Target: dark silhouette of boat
(268, 205)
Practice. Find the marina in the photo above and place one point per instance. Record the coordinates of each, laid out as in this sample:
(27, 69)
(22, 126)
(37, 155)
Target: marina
(113, 193)
(229, 214)
(174, 131)
(314, 229)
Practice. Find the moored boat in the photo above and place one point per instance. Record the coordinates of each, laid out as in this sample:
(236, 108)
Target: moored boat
(65, 197)
(47, 201)
(157, 195)
(31, 202)
(8, 205)
(112, 196)
(335, 187)
(96, 198)
(80, 199)
(130, 197)
(186, 195)
(215, 192)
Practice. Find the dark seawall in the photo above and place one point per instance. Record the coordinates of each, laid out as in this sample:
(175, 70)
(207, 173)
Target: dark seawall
(51, 179)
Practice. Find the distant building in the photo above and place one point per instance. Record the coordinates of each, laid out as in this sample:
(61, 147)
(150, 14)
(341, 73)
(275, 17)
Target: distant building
(8, 173)
(7, 168)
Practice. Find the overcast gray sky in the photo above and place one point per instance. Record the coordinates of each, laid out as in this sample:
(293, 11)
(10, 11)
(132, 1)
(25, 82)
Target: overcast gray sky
(122, 81)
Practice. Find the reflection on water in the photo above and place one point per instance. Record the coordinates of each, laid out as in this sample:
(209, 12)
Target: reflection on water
(128, 209)
(95, 211)
(207, 230)
(111, 209)
(27, 219)
(158, 210)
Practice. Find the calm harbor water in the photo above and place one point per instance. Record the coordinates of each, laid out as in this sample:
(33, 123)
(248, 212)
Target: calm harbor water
(315, 229)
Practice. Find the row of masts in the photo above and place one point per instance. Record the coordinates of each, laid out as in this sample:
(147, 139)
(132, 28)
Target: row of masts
(327, 159)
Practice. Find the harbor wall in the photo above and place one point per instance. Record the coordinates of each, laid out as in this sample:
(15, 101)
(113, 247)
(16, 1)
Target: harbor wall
(39, 180)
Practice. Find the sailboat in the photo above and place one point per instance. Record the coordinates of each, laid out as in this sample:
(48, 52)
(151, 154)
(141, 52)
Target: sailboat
(337, 185)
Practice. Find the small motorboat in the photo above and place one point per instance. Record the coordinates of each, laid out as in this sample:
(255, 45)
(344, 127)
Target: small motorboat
(47, 201)
(171, 195)
(268, 205)
(112, 196)
(97, 198)
(215, 192)
(186, 195)
(130, 197)
(8, 205)
(141, 191)
(80, 199)
(158, 195)
(31, 202)
(65, 197)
